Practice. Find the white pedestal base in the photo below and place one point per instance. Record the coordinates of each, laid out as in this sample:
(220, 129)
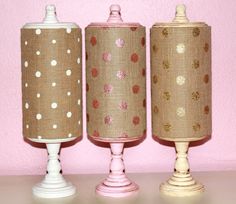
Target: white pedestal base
(53, 185)
(54, 189)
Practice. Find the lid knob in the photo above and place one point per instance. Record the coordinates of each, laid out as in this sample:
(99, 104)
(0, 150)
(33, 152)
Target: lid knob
(180, 14)
(51, 15)
(115, 15)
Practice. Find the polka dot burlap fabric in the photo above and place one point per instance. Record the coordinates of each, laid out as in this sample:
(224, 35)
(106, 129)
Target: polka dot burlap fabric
(51, 83)
(181, 82)
(115, 73)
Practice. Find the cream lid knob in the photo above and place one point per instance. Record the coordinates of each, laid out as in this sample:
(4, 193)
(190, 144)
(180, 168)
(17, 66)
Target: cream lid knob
(115, 15)
(180, 14)
(50, 15)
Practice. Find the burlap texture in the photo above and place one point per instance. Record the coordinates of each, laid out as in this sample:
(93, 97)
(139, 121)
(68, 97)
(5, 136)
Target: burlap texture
(51, 83)
(116, 83)
(181, 82)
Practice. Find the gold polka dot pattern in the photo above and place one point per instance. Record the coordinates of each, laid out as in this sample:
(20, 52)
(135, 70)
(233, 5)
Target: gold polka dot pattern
(183, 90)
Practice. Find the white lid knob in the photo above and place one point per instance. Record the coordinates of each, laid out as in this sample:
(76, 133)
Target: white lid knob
(50, 15)
(115, 15)
(180, 14)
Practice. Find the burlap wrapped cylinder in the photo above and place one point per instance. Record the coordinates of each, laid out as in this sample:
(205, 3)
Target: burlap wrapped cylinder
(181, 82)
(51, 83)
(116, 88)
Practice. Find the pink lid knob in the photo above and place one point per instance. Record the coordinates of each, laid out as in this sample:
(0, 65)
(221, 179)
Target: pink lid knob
(115, 16)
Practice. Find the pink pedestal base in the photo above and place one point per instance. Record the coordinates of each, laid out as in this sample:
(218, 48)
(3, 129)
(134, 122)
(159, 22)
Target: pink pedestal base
(117, 184)
(122, 190)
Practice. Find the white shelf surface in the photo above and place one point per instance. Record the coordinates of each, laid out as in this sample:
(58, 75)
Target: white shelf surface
(220, 189)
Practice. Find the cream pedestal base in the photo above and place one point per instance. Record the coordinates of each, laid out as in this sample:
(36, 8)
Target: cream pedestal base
(117, 184)
(181, 183)
(53, 185)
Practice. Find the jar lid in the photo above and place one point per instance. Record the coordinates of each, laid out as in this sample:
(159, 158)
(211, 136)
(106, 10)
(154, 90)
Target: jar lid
(114, 19)
(181, 19)
(50, 21)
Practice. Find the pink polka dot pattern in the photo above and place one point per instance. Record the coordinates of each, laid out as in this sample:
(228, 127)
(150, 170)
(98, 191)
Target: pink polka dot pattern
(115, 96)
(123, 105)
(120, 42)
(108, 88)
(121, 74)
(106, 56)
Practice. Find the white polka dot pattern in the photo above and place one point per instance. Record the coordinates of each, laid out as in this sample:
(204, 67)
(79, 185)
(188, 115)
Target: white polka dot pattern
(38, 116)
(69, 114)
(180, 111)
(38, 74)
(68, 30)
(38, 31)
(180, 48)
(53, 63)
(26, 64)
(54, 105)
(51, 88)
(180, 80)
(68, 72)
(26, 105)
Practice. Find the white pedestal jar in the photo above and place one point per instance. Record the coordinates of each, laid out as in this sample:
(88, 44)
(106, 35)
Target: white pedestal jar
(51, 93)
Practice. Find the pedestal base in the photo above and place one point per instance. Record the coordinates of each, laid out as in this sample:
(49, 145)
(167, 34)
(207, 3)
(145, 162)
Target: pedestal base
(56, 189)
(181, 186)
(117, 190)
(117, 184)
(54, 185)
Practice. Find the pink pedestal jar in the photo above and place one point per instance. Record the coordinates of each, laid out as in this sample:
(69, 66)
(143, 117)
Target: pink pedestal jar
(116, 91)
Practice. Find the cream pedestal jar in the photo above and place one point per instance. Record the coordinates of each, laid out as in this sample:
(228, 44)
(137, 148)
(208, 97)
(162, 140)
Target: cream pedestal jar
(181, 92)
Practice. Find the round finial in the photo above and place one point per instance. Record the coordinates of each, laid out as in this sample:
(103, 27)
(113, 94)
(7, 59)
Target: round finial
(51, 15)
(115, 8)
(115, 15)
(180, 14)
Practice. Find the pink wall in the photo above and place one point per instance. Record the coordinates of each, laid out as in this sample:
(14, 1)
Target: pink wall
(18, 157)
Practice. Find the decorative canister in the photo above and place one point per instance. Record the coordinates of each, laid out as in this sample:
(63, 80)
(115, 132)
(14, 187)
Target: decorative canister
(51, 92)
(181, 92)
(115, 84)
